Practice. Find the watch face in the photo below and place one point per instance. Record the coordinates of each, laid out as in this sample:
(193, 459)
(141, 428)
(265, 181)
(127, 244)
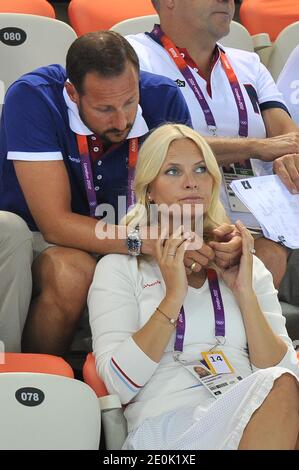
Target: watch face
(134, 243)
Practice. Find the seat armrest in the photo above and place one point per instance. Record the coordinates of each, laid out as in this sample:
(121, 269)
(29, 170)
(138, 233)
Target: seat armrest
(261, 41)
(110, 402)
(114, 422)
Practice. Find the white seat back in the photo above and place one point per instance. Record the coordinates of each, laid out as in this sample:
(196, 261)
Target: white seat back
(43, 411)
(284, 44)
(31, 41)
(238, 38)
(288, 84)
(136, 25)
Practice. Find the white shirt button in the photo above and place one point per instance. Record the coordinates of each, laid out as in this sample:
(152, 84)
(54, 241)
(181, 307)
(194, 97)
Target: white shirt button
(93, 137)
(99, 177)
(97, 188)
(96, 149)
(100, 162)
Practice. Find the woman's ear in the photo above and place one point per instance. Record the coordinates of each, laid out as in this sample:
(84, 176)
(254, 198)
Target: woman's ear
(149, 198)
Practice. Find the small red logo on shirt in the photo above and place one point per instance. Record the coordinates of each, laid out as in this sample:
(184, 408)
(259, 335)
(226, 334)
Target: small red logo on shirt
(152, 284)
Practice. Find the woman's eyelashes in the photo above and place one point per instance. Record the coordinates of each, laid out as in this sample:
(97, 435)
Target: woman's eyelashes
(175, 171)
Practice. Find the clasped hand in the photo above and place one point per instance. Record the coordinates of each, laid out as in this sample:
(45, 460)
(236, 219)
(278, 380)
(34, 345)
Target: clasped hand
(225, 250)
(231, 252)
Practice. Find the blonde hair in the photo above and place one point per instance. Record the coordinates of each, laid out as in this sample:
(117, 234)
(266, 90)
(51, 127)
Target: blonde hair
(151, 158)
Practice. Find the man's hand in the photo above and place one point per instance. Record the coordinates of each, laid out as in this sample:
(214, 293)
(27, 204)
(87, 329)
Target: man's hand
(198, 259)
(227, 246)
(287, 168)
(274, 147)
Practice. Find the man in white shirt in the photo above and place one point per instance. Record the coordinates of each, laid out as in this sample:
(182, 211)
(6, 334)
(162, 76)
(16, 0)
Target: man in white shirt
(230, 94)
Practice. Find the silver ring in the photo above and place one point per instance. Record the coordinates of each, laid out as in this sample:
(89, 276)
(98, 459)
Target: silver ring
(252, 250)
(193, 265)
(170, 254)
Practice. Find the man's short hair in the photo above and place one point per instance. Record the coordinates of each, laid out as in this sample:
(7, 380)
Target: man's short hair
(104, 52)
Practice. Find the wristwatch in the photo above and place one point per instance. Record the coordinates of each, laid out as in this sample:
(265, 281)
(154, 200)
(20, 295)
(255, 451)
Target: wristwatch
(134, 242)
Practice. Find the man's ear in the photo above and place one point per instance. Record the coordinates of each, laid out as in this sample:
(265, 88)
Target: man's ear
(71, 91)
(170, 3)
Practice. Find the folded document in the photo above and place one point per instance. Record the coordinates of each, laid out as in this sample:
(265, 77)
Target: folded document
(276, 209)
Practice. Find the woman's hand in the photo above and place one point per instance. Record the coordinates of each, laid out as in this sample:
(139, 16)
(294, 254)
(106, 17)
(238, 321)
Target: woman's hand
(170, 257)
(239, 277)
(227, 246)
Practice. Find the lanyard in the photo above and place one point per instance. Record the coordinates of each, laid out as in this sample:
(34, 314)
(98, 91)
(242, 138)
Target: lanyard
(133, 156)
(218, 314)
(158, 36)
(87, 172)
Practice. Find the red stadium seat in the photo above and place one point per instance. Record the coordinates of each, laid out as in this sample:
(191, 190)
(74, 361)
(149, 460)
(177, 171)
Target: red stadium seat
(268, 16)
(31, 7)
(92, 15)
(41, 363)
(91, 377)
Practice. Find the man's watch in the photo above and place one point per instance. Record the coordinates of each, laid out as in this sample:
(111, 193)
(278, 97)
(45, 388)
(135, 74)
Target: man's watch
(134, 242)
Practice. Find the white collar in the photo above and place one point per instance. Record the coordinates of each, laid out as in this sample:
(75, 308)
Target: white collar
(139, 128)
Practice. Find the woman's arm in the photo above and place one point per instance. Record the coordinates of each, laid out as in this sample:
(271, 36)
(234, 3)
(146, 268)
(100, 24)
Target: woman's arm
(267, 346)
(127, 348)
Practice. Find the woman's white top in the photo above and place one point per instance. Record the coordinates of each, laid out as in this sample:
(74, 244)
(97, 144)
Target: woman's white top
(125, 293)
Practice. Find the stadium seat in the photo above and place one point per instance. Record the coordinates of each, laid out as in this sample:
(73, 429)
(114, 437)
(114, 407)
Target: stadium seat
(268, 16)
(240, 38)
(288, 85)
(47, 412)
(112, 416)
(30, 41)
(92, 15)
(44, 363)
(140, 24)
(285, 43)
(32, 7)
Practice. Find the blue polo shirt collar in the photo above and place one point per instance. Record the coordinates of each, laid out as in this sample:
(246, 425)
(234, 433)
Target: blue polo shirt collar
(139, 128)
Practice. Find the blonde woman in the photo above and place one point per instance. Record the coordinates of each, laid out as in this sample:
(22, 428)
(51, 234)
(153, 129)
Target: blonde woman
(150, 321)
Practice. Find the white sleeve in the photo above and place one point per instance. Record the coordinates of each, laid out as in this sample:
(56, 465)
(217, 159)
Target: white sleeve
(143, 50)
(270, 306)
(114, 317)
(267, 89)
(35, 156)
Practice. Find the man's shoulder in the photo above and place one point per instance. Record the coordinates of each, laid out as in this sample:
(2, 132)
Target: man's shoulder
(150, 80)
(51, 75)
(241, 58)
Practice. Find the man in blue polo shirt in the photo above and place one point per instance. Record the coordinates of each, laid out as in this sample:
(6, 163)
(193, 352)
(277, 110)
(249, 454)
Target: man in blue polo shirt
(69, 141)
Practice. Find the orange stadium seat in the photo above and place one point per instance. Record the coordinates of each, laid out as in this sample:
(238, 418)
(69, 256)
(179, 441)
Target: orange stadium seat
(31, 7)
(268, 16)
(41, 363)
(112, 416)
(91, 377)
(92, 15)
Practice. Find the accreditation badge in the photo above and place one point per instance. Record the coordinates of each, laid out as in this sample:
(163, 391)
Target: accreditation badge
(214, 372)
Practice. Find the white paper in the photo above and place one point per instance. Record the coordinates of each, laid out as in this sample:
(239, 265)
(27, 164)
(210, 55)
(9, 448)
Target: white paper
(276, 209)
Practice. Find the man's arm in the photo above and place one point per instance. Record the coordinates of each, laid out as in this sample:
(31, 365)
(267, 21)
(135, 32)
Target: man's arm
(282, 138)
(50, 206)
